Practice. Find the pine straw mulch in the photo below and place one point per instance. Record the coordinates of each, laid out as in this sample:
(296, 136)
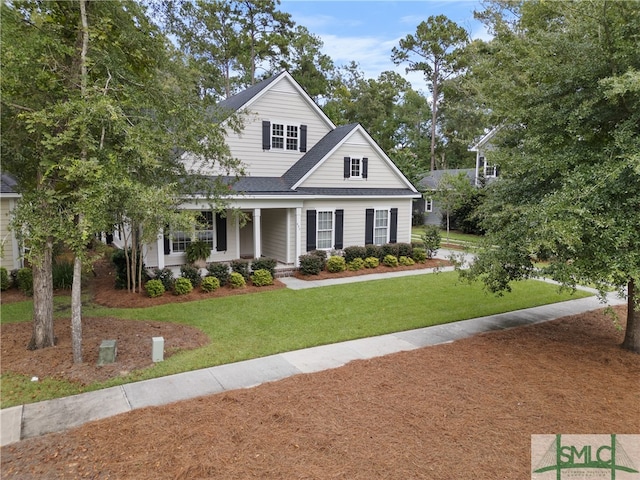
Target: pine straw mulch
(461, 410)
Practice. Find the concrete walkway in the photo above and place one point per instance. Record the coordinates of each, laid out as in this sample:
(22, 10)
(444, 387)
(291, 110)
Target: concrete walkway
(31, 420)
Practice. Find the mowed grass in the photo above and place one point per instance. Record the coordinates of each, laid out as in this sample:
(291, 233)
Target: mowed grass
(249, 326)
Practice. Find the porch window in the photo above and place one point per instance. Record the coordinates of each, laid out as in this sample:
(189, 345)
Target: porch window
(204, 231)
(381, 227)
(325, 230)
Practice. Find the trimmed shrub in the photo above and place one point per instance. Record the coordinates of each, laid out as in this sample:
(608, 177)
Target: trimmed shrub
(321, 254)
(351, 253)
(182, 286)
(405, 250)
(165, 275)
(4, 279)
(154, 288)
(62, 274)
(310, 264)
(236, 280)
(390, 261)
(371, 262)
(242, 267)
(336, 264)
(356, 264)
(25, 280)
(198, 250)
(264, 263)
(431, 240)
(406, 261)
(390, 249)
(373, 251)
(261, 278)
(419, 254)
(220, 271)
(210, 284)
(192, 273)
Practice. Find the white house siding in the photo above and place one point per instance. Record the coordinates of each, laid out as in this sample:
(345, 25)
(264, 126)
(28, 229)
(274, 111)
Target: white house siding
(274, 234)
(354, 217)
(10, 251)
(331, 172)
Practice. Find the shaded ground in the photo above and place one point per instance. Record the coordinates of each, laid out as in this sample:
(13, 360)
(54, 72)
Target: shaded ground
(461, 410)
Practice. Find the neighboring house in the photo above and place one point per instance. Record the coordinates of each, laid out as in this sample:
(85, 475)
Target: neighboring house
(11, 257)
(309, 185)
(483, 173)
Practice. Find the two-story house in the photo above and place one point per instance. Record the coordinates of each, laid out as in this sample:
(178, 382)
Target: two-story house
(309, 185)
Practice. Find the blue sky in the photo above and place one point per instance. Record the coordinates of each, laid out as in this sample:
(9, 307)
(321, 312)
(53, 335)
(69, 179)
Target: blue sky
(365, 31)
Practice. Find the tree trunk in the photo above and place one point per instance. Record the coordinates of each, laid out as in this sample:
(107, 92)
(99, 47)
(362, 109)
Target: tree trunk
(43, 300)
(632, 332)
(76, 310)
(434, 115)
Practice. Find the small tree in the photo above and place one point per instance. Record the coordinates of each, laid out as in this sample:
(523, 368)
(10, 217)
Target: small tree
(452, 192)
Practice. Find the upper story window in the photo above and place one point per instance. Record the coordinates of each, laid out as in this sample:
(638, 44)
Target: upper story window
(282, 136)
(356, 167)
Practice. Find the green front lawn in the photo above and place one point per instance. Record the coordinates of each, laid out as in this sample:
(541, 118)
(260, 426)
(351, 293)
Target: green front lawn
(250, 326)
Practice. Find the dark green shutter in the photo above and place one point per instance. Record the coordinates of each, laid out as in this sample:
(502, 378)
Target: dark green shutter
(368, 226)
(365, 168)
(221, 233)
(266, 135)
(311, 230)
(339, 229)
(347, 167)
(393, 227)
(167, 241)
(303, 138)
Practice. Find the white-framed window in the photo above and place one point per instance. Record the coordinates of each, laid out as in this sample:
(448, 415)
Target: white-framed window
(428, 204)
(324, 237)
(356, 168)
(285, 137)
(381, 227)
(204, 231)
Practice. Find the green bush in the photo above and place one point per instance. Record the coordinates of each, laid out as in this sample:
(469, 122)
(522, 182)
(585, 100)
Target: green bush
(310, 264)
(322, 255)
(210, 284)
(236, 280)
(182, 286)
(405, 250)
(264, 263)
(154, 288)
(419, 254)
(431, 240)
(390, 261)
(371, 262)
(406, 261)
(4, 279)
(192, 273)
(220, 271)
(242, 267)
(390, 249)
(336, 264)
(62, 274)
(351, 253)
(25, 280)
(165, 275)
(261, 278)
(373, 251)
(356, 264)
(198, 250)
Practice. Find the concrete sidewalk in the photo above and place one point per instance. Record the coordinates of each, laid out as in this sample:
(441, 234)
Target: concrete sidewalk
(31, 420)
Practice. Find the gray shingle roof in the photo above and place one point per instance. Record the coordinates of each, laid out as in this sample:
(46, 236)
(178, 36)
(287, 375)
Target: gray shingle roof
(317, 153)
(7, 184)
(430, 181)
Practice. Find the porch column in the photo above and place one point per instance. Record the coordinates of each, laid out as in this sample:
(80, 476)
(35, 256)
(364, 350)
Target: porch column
(257, 237)
(296, 260)
(160, 248)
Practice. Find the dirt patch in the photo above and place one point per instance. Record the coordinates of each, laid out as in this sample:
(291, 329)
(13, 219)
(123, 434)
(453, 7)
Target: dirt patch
(461, 410)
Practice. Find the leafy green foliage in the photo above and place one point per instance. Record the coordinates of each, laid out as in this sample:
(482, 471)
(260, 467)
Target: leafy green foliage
(336, 264)
(4, 279)
(419, 254)
(371, 262)
(25, 280)
(351, 253)
(197, 250)
(210, 284)
(154, 288)
(165, 275)
(192, 273)
(119, 259)
(236, 280)
(431, 239)
(390, 261)
(406, 261)
(182, 286)
(322, 255)
(242, 267)
(374, 251)
(261, 278)
(356, 264)
(62, 272)
(311, 264)
(264, 263)
(220, 271)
